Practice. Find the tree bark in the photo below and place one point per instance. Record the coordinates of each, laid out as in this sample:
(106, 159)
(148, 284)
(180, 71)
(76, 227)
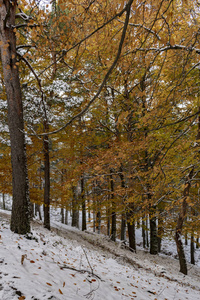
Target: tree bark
(192, 259)
(46, 179)
(62, 215)
(75, 211)
(131, 233)
(123, 227)
(179, 226)
(113, 227)
(20, 218)
(143, 234)
(84, 227)
(66, 217)
(3, 198)
(153, 236)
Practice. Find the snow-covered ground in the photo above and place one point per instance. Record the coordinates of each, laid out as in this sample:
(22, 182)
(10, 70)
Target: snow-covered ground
(67, 264)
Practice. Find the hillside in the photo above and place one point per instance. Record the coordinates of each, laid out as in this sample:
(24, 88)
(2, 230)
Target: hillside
(68, 264)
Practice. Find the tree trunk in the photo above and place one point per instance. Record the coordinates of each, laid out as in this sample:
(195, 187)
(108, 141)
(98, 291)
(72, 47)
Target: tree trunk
(153, 228)
(4, 203)
(99, 222)
(75, 211)
(113, 214)
(46, 179)
(160, 229)
(197, 243)
(131, 235)
(108, 217)
(123, 219)
(66, 217)
(62, 215)
(153, 236)
(143, 234)
(192, 260)
(20, 218)
(147, 234)
(179, 226)
(123, 227)
(83, 205)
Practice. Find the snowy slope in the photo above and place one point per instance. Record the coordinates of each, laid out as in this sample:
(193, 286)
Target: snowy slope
(75, 265)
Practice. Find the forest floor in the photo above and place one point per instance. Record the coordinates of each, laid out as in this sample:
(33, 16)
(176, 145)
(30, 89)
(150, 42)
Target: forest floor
(67, 264)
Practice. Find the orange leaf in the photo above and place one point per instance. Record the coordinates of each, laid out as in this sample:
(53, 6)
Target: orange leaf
(49, 283)
(32, 261)
(60, 292)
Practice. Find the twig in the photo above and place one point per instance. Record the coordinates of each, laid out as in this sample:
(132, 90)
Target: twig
(80, 271)
(87, 259)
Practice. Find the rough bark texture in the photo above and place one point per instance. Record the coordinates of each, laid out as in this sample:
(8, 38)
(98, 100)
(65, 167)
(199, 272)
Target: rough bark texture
(179, 226)
(20, 220)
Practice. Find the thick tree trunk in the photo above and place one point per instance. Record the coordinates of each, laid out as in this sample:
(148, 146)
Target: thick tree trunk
(20, 218)
(131, 235)
(131, 228)
(179, 226)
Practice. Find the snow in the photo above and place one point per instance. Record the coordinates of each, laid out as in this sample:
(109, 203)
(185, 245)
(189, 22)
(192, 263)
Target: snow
(68, 264)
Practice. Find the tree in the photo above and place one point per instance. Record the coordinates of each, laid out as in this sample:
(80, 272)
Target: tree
(20, 220)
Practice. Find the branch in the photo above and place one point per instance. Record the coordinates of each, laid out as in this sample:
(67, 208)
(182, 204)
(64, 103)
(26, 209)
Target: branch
(64, 52)
(166, 48)
(24, 46)
(142, 26)
(80, 271)
(25, 25)
(127, 9)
